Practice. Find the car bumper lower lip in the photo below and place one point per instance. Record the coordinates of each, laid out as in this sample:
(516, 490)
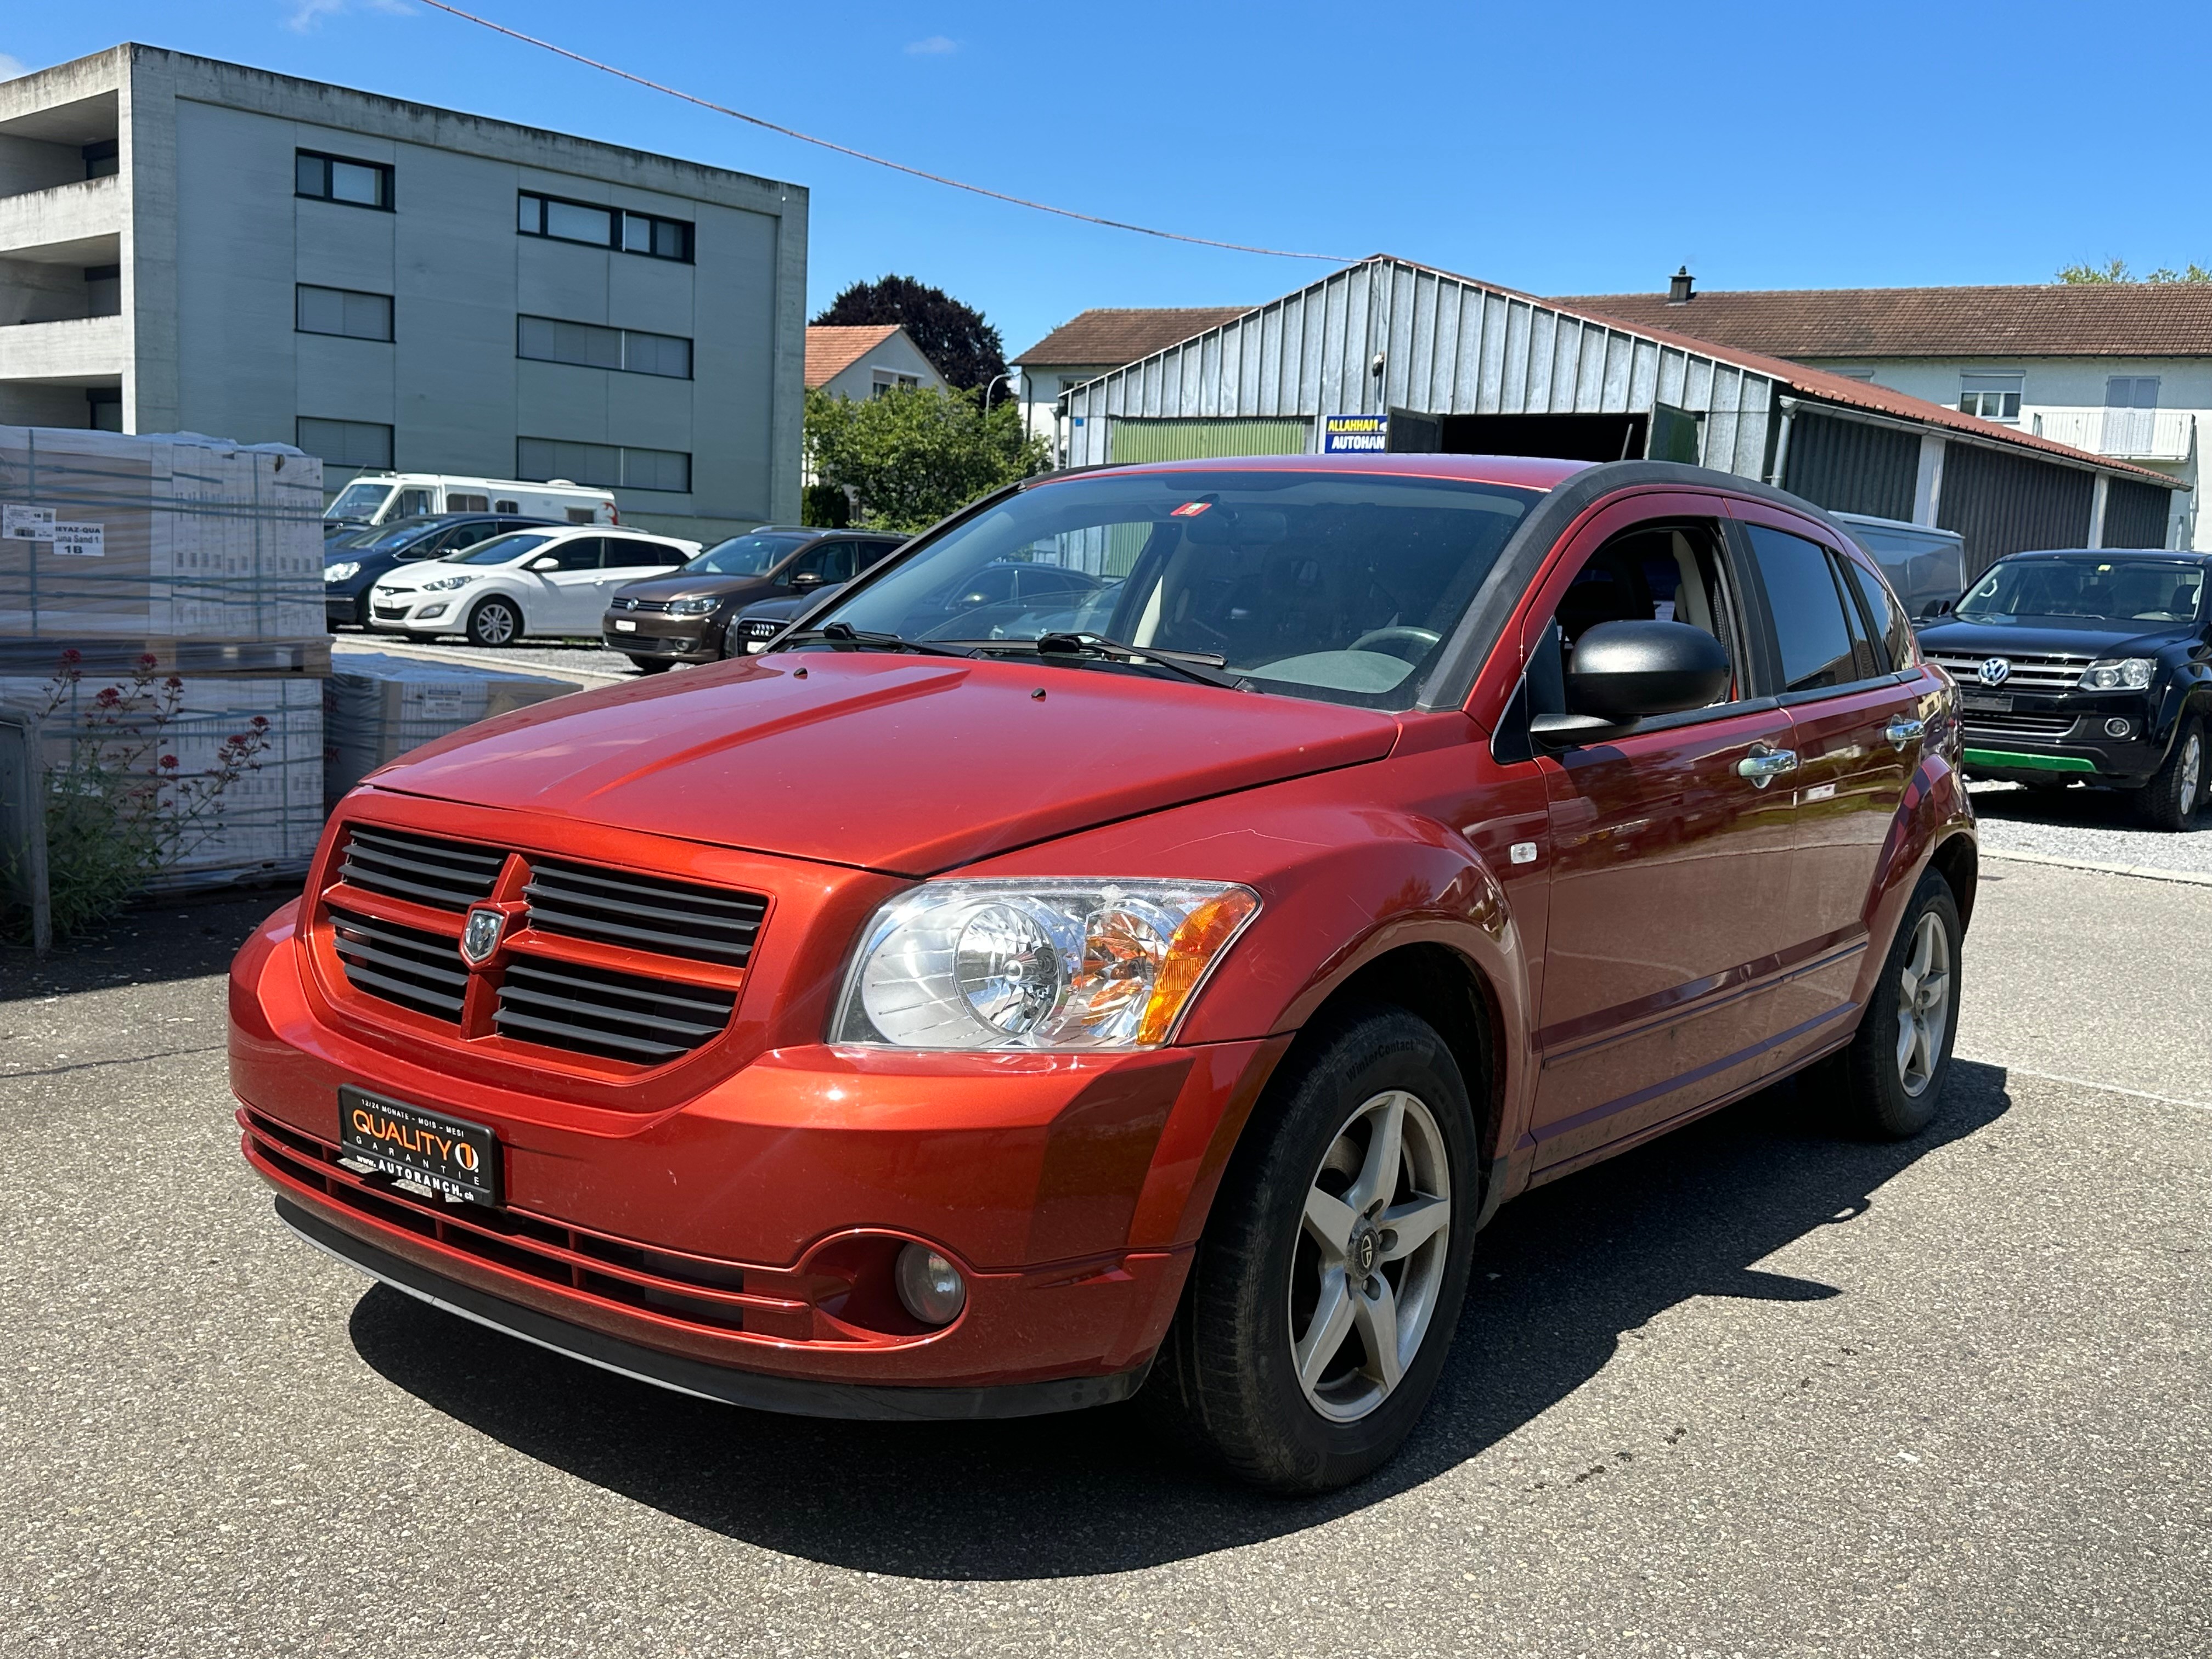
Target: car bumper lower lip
(677, 647)
(2009, 754)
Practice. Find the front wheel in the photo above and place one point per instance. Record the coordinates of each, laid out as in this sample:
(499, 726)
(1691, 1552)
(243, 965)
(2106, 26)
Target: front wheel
(1324, 1295)
(2171, 797)
(495, 622)
(1891, 1076)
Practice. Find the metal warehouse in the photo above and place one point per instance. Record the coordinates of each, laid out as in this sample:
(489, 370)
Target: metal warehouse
(1389, 355)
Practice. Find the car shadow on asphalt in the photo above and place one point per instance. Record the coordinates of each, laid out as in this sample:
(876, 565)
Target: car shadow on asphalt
(1561, 1276)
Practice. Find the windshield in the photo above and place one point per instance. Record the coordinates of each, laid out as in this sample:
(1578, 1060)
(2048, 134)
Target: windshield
(359, 500)
(384, 540)
(2086, 591)
(500, 549)
(1336, 585)
(744, 556)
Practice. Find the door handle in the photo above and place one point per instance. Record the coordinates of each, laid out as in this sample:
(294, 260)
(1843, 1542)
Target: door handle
(1763, 765)
(1902, 730)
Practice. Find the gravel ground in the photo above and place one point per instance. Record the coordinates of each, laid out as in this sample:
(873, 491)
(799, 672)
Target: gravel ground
(1752, 1391)
(548, 656)
(2096, 824)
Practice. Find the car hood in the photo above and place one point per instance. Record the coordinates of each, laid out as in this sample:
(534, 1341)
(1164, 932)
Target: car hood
(741, 588)
(906, 765)
(413, 573)
(2029, 639)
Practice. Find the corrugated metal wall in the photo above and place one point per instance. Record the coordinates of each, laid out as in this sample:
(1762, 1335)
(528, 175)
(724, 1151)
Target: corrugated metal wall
(1207, 441)
(1449, 347)
(2135, 513)
(1852, 466)
(2002, 503)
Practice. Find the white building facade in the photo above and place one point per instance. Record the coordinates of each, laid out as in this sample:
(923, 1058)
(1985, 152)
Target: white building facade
(189, 245)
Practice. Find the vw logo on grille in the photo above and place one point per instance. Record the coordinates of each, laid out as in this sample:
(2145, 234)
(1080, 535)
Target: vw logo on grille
(1995, 671)
(480, 937)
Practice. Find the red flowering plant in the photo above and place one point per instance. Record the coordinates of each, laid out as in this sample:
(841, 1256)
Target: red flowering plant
(121, 807)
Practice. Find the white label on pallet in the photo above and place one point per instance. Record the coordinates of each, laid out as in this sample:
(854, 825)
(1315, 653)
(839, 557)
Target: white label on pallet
(29, 523)
(80, 541)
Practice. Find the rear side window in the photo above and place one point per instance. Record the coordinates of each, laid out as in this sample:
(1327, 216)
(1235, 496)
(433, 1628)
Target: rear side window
(873, 553)
(1809, 622)
(1892, 645)
(623, 552)
(580, 553)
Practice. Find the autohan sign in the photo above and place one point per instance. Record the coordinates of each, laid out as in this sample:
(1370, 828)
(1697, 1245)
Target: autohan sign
(1354, 434)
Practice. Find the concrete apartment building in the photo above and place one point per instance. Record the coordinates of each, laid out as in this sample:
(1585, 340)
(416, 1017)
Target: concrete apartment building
(193, 246)
(2120, 369)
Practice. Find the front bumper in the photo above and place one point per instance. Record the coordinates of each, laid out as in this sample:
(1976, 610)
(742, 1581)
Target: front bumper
(654, 634)
(751, 1230)
(409, 612)
(2043, 738)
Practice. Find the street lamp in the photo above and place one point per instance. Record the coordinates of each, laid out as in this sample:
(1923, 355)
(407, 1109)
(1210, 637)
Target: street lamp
(988, 384)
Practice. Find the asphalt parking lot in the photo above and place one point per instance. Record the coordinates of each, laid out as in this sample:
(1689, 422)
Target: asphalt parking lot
(1753, 1390)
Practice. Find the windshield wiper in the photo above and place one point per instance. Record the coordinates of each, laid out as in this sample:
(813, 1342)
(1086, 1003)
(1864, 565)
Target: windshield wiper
(837, 633)
(1191, 664)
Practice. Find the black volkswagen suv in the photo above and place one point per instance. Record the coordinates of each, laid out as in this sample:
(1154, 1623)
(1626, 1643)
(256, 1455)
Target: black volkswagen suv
(2088, 666)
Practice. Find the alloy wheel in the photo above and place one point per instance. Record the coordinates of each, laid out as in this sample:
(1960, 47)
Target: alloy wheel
(1372, 1245)
(2192, 771)
(1924, 1005)
(495, 623)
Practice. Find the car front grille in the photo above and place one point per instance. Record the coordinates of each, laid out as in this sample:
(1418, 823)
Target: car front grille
(591, 1011)
(644, 913)
(415, 969)
(444, 874)
(2018, 726)
(2027, 672)
(390, 612)
(623, 603)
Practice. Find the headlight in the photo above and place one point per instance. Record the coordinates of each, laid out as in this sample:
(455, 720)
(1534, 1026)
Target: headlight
(339, 572)
(443, 583)
(2119, 674)
(1043, 964)
(691, 607)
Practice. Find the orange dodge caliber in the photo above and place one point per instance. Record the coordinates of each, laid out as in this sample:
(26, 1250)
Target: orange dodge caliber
(977, 1006)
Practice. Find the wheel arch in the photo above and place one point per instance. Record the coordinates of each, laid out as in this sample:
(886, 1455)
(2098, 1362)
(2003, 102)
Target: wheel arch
(1958, 860)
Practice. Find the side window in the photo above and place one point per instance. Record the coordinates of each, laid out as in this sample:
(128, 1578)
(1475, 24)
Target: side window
(1670, 572)
(465, 535)
(874, 553)
(814, 562)
(626, 551)
(1893, 634)
(1808, 608)
(413, 503)
(837, 563)
(582, 554)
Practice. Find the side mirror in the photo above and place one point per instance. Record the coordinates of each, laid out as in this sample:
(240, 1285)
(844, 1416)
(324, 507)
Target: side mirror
(546, 562)
(1938, 608)
(1627, 671)
(808, 579)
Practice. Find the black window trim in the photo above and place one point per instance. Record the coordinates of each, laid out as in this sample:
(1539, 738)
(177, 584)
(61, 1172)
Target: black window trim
(389, 204)
(616, 213)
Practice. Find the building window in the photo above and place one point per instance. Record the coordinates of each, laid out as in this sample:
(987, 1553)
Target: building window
(888, 381)
(340, 178)
(347, 443)
(343, 310)
(103, 290)
(102, 159)
(548, 340)
(2131, 392)
(599, 226)
(1992, 397)
(610, 466)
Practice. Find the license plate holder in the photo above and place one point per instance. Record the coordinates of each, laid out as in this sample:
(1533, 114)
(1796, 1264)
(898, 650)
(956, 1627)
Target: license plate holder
(447, 1154)
(1988, 702)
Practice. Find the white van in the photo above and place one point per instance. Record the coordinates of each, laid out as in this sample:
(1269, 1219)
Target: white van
(380, 497)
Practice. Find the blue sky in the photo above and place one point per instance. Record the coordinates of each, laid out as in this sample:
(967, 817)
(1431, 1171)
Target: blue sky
(1558, 149)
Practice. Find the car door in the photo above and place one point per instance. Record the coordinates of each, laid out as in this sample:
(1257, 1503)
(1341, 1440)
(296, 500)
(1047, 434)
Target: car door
(1670, 866)
(1857, 728)
(566, 600)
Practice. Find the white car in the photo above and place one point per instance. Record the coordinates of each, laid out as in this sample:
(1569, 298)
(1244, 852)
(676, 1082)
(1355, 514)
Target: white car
(550, 581)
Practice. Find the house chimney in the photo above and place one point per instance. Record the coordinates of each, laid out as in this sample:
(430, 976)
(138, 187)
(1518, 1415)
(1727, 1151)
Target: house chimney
(1681, 288)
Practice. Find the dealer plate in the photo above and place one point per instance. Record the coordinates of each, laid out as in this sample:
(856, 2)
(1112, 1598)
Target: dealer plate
(1987, 702)
(625, 625)
(448, 1154)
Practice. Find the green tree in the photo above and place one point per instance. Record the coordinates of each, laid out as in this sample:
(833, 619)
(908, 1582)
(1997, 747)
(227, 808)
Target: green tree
(916, 453)
(2116, 271)
(959, 344)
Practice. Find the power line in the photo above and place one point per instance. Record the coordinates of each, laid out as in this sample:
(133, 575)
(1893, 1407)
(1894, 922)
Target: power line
(863, 156)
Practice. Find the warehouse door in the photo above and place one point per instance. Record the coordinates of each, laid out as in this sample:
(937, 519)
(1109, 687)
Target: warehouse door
(1205, 440)
(1561, 437)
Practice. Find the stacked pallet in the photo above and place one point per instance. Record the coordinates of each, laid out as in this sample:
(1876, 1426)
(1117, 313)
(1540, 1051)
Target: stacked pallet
(131, 560)
(377, 706)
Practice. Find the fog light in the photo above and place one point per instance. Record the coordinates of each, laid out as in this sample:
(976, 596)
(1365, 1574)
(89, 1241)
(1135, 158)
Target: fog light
(929, 1285)
(2118, 728)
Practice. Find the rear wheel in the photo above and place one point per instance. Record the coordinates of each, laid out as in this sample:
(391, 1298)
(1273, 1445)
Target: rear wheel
(1323, 1298)
(495, 622)
(2171, 797)
(1891, 1076)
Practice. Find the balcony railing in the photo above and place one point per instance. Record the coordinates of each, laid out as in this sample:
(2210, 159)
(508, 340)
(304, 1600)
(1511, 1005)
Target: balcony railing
(2133, 435)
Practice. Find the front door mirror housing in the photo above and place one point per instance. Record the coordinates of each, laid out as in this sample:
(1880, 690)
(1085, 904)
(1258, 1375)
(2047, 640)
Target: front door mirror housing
(806, 578)
(1624, 673)
(546, 562)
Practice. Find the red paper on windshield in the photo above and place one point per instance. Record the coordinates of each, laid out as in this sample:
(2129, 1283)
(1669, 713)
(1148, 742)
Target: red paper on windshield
(1190, 509)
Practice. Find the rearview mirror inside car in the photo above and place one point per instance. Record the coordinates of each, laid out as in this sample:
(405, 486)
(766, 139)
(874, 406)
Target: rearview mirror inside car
(1622, 672)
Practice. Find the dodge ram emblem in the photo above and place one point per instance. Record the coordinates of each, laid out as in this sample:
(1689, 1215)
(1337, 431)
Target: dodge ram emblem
(1995, 671)
(480, 938)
